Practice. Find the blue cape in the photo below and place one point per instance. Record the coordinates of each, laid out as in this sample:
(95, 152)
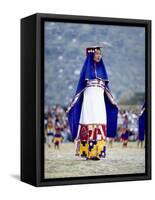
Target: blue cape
(141, 124)
(88, 72)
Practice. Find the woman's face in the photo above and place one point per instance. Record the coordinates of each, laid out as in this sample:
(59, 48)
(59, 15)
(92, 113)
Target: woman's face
(97, 55)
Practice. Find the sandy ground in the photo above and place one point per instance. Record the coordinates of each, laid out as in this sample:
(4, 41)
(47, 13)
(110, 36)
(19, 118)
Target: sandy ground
(63, 163)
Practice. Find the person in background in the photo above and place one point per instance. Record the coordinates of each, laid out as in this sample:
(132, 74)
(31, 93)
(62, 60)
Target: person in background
(125, 132)
(50, 133)
(57, 137)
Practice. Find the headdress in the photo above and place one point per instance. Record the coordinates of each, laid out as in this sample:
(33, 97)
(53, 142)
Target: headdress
(92, 49)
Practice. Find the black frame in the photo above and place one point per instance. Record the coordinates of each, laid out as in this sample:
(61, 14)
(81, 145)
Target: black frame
(32, 98)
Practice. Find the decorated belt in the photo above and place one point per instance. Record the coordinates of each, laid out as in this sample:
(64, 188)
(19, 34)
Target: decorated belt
(96, 84)
(91, 84)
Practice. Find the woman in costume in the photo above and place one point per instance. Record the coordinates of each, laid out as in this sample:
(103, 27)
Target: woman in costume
(141, 126)
(92, 114)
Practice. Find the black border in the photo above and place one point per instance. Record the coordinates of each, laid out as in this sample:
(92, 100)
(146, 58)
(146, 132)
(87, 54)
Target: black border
(40, 19)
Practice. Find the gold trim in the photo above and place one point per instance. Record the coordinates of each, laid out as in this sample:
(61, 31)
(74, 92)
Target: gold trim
(142, 111)
(97, 78)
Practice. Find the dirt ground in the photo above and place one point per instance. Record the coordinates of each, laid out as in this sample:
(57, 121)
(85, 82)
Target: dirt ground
(63, 163)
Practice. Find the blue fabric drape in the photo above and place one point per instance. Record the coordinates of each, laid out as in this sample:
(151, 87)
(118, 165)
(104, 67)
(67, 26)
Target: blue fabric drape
(142, 124)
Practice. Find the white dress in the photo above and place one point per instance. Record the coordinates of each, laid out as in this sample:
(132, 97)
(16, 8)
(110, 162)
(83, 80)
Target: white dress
(93, 108)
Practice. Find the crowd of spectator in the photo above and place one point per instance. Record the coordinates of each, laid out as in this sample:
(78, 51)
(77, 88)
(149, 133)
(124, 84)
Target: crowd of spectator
(132, 116)
(55, 116)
